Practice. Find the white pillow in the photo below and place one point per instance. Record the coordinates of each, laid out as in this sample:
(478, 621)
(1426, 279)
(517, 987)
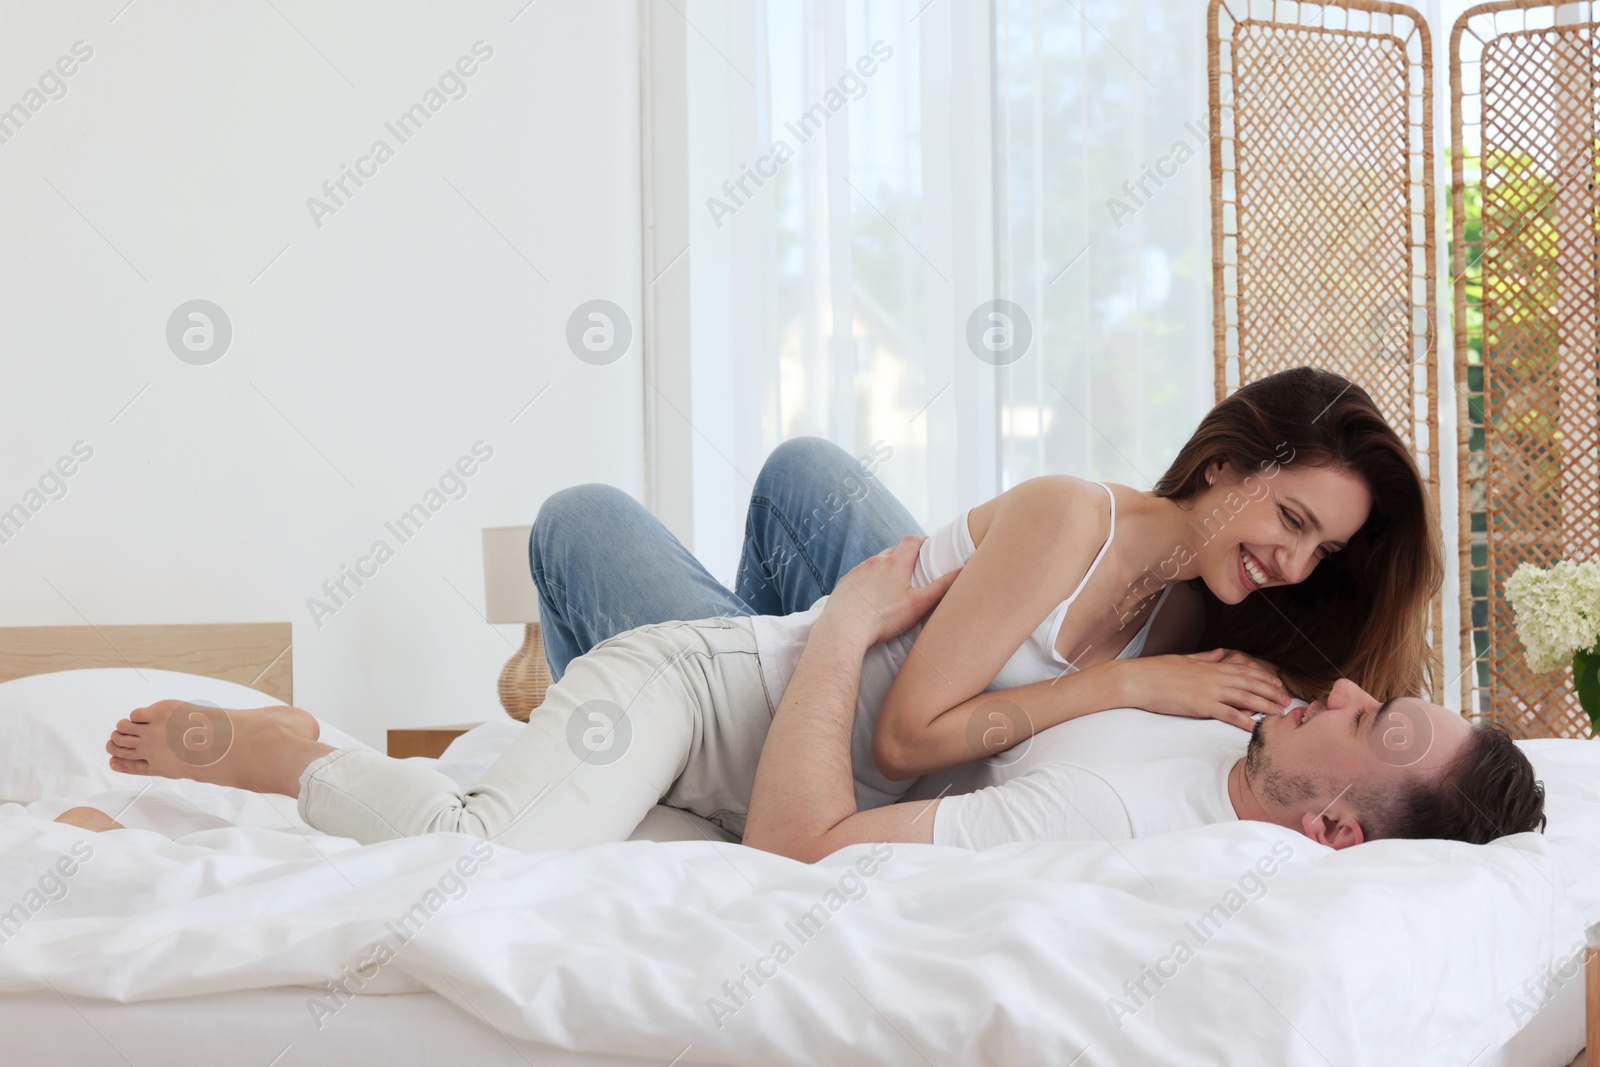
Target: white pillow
(1570, 771)
(53, 727)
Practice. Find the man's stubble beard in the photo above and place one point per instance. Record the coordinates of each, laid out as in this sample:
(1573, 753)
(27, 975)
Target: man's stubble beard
(1281, 788)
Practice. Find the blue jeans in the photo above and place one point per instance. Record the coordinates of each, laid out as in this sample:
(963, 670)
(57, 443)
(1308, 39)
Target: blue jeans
(603, 564)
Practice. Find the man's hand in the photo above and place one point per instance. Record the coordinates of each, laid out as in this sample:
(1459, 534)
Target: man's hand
(876, 600)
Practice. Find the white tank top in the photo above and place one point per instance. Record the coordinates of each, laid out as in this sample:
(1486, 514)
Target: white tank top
(781, 638)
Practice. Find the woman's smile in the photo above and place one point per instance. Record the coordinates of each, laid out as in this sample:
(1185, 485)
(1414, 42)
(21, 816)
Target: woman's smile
(1253, 574)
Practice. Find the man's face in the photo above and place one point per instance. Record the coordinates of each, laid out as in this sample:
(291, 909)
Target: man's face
(1304, 762)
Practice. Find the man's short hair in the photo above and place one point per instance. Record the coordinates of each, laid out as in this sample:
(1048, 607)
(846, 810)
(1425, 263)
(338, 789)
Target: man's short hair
(1488, 791)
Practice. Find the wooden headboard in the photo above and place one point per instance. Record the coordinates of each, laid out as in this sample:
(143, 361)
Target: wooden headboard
(256, 654)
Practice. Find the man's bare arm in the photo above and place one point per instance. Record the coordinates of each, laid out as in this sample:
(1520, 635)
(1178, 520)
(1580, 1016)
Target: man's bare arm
(803, 803)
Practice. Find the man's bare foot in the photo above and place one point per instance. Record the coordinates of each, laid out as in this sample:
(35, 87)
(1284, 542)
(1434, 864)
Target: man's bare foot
(89, 819)
(264, 749)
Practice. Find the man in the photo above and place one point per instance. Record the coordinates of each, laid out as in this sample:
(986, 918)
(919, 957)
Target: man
(1342, 771)
(693, 699)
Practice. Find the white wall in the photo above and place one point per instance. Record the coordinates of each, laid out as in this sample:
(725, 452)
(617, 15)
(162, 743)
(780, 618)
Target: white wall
(372, 353)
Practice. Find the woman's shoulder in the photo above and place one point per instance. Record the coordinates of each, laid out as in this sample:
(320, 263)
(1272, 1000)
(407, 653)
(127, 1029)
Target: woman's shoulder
(1049, 501)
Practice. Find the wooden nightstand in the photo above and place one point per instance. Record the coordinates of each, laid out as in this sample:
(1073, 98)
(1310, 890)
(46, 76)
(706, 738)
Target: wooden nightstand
(425, 740)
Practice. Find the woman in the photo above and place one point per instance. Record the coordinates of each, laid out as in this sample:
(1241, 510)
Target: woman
(1293, 527)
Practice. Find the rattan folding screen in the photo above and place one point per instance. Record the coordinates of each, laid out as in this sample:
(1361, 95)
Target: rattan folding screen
(1322, 205)
(1524, 209)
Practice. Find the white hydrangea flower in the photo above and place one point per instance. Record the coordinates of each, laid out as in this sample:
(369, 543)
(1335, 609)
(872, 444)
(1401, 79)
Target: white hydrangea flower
(1557, 610)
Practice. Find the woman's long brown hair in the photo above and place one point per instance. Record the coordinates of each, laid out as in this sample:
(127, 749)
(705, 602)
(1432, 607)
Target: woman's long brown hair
(1362, 613)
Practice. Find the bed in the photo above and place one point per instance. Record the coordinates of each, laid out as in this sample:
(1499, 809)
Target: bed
(210, 931)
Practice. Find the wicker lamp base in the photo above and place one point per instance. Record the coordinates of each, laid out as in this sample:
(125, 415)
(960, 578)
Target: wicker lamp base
(525, 677)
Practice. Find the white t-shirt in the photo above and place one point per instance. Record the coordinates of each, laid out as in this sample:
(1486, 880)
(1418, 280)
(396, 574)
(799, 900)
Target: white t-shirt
(1110, 775)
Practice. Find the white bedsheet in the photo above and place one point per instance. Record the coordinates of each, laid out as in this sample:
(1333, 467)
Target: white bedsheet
(1393, 952)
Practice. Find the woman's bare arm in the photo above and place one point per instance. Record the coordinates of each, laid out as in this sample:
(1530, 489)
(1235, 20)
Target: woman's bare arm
(1034, 544)
(1039, 539)
(988, 723)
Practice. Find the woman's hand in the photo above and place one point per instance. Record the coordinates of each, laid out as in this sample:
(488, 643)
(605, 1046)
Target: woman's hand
(1292, 687)
(876, 600)
(1233, 655)
(1219, 684)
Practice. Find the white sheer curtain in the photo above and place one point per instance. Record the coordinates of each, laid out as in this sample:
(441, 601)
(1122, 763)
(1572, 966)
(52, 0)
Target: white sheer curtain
(837, 261)
(1103, 196)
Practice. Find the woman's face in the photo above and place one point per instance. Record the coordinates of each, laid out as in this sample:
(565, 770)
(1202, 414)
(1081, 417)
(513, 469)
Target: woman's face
(1273, 527)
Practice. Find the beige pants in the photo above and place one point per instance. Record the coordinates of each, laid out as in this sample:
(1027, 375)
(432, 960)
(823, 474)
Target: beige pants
(672, 713)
